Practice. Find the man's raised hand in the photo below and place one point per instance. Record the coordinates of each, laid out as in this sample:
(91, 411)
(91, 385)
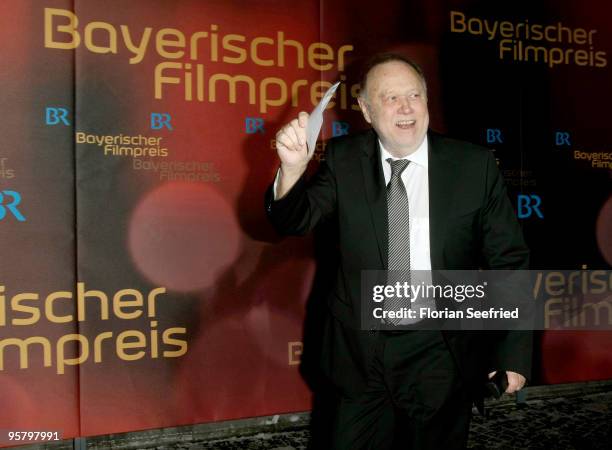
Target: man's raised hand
(293, 153)
(291, 144)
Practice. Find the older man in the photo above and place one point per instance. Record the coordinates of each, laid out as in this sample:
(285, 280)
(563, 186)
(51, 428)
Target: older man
(402, 198)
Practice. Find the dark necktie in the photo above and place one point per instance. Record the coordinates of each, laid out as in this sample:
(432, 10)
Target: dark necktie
(399, 233)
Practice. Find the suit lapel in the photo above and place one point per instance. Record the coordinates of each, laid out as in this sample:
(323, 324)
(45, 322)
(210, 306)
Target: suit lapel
(442, 178)
(376, 193)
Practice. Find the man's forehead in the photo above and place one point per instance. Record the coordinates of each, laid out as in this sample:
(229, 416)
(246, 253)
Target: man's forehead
(404, 88)
(394, 65)
(401, 76)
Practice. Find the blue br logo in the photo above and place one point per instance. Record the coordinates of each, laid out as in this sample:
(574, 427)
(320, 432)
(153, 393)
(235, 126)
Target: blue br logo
(529, 204)
(339, 128)
(55, 116)
(8, 202)
(254, 125)
(494, 135)
(562, 138)
(161, 120)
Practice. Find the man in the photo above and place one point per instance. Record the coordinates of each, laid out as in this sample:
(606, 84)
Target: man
(443, 207)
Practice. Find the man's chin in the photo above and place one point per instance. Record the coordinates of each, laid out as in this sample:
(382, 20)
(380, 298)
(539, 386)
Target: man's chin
(407, 146)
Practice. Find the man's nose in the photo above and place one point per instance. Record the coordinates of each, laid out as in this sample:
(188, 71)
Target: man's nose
(405, 106)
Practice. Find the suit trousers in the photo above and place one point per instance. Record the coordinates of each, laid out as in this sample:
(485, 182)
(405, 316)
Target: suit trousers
(414, 399)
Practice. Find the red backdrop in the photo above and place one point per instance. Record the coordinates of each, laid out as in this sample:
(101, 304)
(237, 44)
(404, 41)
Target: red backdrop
(137, 168)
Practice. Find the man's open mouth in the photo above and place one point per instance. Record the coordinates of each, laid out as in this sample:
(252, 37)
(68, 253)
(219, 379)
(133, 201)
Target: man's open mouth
(405, 124)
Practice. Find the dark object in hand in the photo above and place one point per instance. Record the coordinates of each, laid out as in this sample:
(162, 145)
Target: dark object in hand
(497, 385)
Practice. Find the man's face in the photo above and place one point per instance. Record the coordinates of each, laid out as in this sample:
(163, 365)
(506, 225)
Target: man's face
(396, 106)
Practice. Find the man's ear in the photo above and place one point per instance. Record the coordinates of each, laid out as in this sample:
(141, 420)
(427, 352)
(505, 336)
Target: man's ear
(364, 109)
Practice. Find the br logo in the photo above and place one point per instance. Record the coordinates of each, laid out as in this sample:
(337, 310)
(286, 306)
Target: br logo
(56, 116)
(562, 138)
(528, 205)
(340, 128)
(161, 120)
(494, 136)
(254, 125)
(8, 203)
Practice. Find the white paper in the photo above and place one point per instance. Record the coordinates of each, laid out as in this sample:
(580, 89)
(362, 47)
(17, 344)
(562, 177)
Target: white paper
(315, 121)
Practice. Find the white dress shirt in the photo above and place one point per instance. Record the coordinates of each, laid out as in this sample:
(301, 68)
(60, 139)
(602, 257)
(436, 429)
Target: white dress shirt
(416, 181)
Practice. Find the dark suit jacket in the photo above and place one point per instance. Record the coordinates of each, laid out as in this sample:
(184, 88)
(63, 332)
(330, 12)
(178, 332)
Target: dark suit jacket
(472, 225)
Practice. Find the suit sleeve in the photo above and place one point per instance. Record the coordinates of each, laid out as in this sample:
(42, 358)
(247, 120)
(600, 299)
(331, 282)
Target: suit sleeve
(503, 248)
(307, 203)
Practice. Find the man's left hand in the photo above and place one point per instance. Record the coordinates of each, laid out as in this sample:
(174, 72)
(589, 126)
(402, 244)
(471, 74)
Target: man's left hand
(516, 381)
